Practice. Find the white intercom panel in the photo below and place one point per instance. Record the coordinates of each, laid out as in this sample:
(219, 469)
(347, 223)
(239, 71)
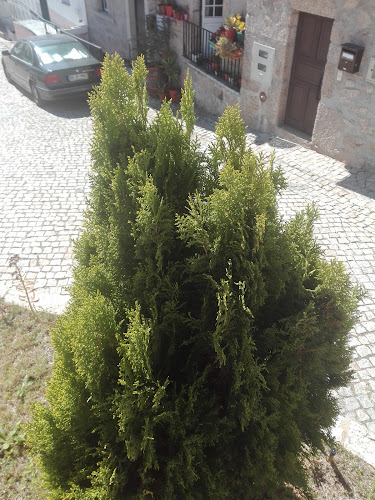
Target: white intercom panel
(262, 64)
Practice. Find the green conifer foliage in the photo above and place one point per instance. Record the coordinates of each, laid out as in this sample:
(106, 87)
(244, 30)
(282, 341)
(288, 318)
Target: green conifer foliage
(204, 335)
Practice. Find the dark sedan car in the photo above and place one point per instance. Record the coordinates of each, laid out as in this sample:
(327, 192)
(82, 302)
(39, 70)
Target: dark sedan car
(51, 67)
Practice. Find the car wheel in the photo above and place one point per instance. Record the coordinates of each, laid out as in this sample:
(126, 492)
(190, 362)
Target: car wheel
(7, 75)
(35, 95)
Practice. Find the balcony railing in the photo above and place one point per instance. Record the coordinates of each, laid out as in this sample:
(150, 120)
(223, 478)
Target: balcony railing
(21, 11)
(199, 50)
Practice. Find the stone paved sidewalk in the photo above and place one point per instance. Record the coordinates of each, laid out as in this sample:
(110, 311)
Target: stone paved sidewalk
(345, 198)
(44, 181)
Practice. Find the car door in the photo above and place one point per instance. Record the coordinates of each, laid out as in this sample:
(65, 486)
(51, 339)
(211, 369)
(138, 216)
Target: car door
(23, 64)
(20, 63)
(12, 61)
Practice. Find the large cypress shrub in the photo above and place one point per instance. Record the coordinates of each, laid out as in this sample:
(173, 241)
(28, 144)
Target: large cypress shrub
(204, 334)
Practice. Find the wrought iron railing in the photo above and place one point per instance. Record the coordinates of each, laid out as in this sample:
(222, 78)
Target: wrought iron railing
(20, 11)
(198, 48)
(94, 50)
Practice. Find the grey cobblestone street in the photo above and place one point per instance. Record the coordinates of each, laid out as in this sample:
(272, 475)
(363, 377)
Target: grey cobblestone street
(44, 169)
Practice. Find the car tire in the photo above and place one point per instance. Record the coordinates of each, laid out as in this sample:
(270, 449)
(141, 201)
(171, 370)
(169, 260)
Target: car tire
(7, 75)
(35, 95)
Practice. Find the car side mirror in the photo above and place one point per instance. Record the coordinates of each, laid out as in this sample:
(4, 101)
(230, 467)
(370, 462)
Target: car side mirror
(5, 52)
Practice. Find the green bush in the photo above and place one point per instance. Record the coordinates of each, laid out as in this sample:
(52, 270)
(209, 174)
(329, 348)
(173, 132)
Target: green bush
(204, 335)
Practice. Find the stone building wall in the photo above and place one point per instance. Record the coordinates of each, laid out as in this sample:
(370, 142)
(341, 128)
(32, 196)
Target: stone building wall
(345, 122)
(114, 31)
(235, 7)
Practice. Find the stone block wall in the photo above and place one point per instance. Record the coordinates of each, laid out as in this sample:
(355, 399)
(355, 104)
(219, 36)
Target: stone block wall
(114, 31)
(210, 94)
(345, 122)
(234, 7)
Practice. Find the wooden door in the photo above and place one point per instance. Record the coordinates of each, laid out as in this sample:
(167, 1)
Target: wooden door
(310, 57)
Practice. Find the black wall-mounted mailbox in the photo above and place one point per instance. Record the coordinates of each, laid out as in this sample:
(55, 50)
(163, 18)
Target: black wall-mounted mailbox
(350, 57)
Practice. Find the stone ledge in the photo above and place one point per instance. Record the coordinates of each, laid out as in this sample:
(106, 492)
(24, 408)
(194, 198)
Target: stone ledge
(212, 78)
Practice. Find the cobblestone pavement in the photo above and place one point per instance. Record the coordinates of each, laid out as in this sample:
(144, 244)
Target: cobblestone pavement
(44, 180)
(44, 164)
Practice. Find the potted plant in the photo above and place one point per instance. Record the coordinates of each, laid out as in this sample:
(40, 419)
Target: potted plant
(161, 90)
(178, 12)
(156, 41)
(161, 9)
(230, 28)
(227, 49)
(196, 57)
(215, 37)
(172, 72)
(169, 8)
(240, 29)
(215, 64)
(186, 13)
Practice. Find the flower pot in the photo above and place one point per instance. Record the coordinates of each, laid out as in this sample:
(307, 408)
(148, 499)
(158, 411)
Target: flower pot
(240, 37)
(168, 10)
(230, 34)
(161, 8)
(186, 16)
(162, 96)
(176, 15)
(215, 66)
(153, 79)
(174, 95)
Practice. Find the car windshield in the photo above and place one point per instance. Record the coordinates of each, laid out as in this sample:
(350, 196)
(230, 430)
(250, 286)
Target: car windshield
(62, 52)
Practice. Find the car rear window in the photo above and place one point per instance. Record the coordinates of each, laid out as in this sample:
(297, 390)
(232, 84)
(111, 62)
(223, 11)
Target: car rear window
(58, 52)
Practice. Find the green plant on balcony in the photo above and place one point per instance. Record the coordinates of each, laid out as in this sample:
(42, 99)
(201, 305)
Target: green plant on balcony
(235, 22)
(227, 49)
(234, 27)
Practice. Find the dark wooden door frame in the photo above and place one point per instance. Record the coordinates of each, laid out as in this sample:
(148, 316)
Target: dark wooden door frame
(309, 60)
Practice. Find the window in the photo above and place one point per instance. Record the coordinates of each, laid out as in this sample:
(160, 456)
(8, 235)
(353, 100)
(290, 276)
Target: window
(56, 53)
(23, 51)
(28, 54)
(105, 5)
(213, 8)
(18, 49)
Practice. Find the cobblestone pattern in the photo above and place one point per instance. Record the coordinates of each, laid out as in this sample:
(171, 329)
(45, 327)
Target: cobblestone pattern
(44, 167)
(345, 199)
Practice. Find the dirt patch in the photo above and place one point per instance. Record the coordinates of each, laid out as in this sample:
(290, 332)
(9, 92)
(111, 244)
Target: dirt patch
(26, 362)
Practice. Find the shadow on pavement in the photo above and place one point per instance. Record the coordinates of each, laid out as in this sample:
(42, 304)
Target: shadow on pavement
(360, 180)
(70, 108)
